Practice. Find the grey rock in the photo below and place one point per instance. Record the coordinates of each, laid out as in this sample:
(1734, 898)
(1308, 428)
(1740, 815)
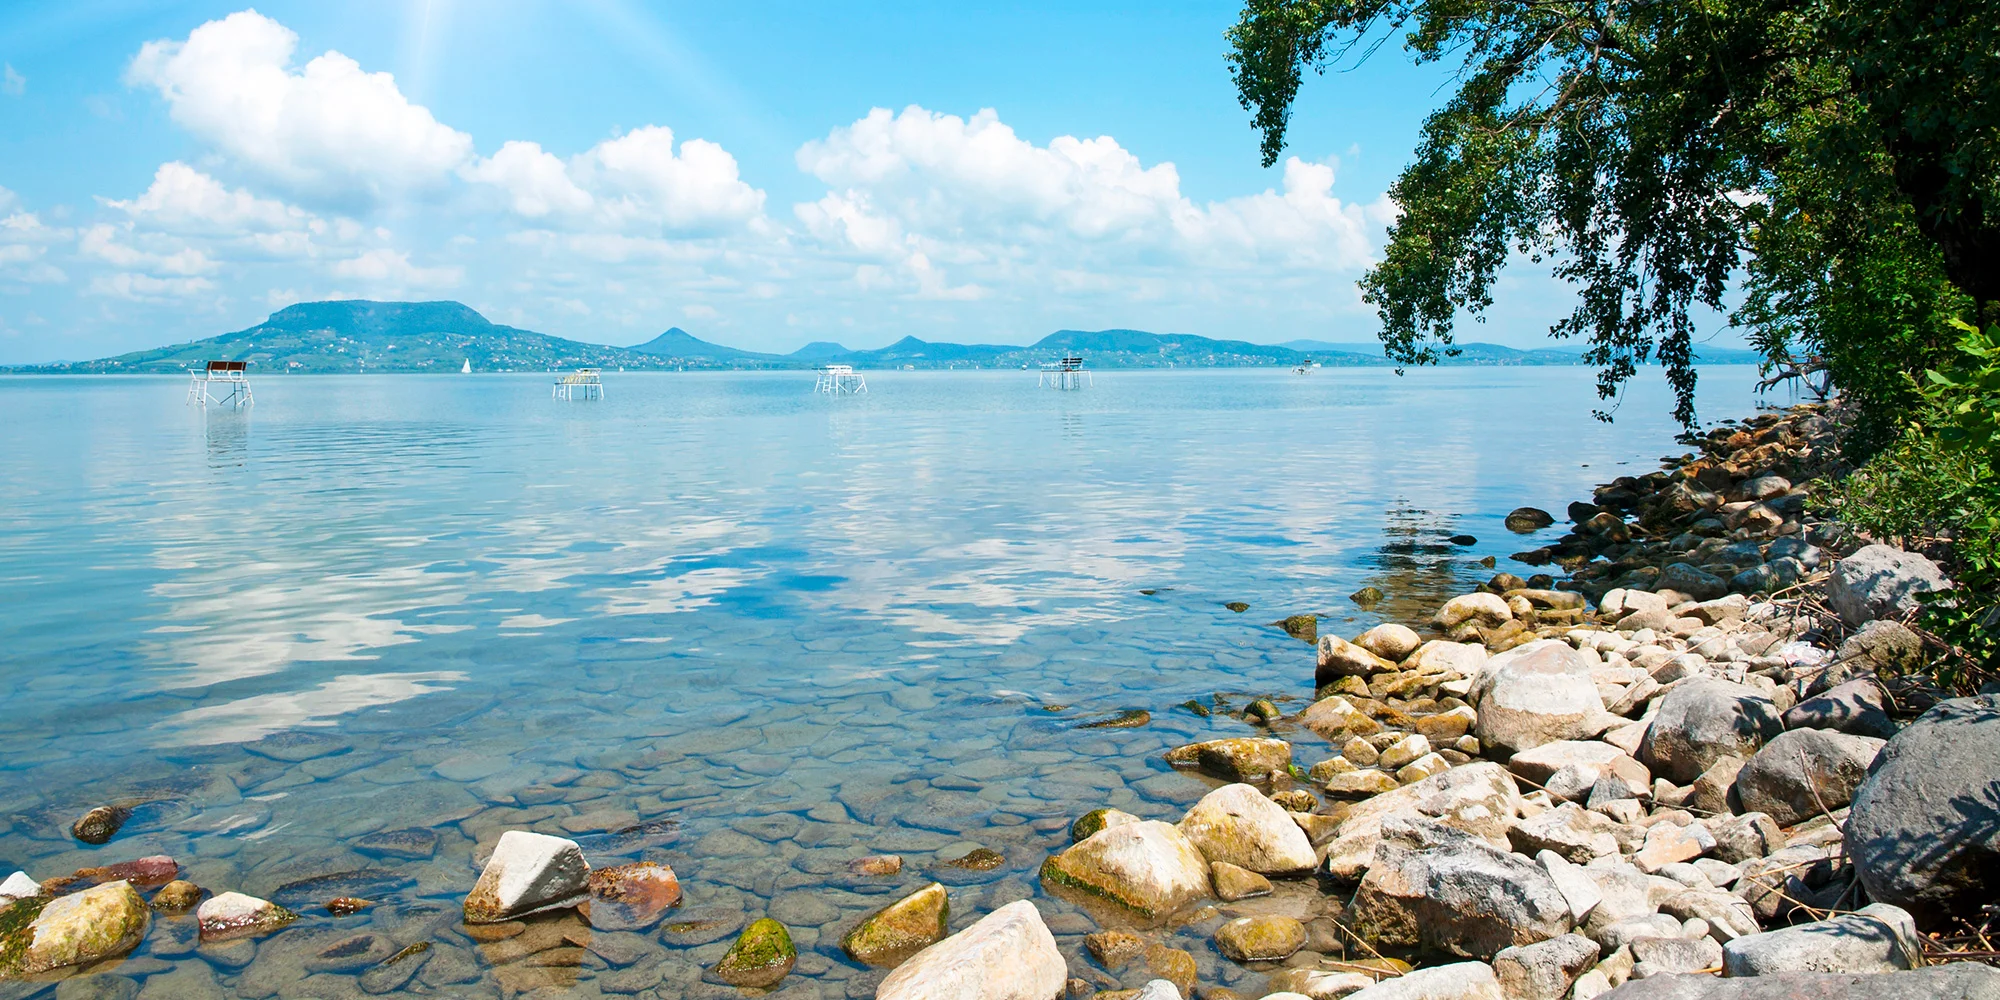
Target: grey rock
(1881, 581)
(1459, 981)
(1621, 934)
(1957, 981)
(1537, 693)
(1544, 970)
(1727, 915)
(1158, 989)
(1438, 887)
(1856, 707)
(1801, 771)
(1702, 720)
(1741, 838)
(1657, 956)
(1692, 581)
(1924, 830)
(1881, 647)
(1876, 938)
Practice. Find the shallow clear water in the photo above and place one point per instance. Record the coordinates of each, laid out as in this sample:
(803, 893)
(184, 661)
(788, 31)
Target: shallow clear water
(801, 628)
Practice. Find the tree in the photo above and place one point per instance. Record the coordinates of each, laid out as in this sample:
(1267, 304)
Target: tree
(1834, 160)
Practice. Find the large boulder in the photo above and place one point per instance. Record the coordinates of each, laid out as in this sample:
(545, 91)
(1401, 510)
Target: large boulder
(1537, 693)
(1480, 798)
(39, 934)
(528, 873)
(1883, 647)
(1703, 720)
(1954, 981)
(1432, 886)
(1881, 581)
(1148, 868)
(1876, 938)
(1803, 771)
(1008, 955)
(1236, 758)
(1924, 828)
(1237, 824)
(1443, 655)
(1857, 707)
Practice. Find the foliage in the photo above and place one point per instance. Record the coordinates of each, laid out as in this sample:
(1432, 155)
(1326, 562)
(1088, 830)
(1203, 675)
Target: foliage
(1939, 482)
(1840, 157)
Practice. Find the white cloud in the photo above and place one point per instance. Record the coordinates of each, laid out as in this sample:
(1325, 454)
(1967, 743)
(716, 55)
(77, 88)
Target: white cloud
(392, 268)
(12, 83)
(24, 243)
(922, 192)
(147, 288)
(172, 257)
(636, 182)
(328, 132)
(185, 200)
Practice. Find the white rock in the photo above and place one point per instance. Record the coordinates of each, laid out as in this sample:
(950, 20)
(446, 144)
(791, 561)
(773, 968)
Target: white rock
(1876, 938)
(20, 886)
(1238, 825)
(528, 873)
(1480, 609)
(1403, 751)
(234, 915)
(1158, 989)
(1390, 641)
(1576, 885)
(1008, 955)
(1148, 867)
(1480, 798)
(1458, 981)
(1535, 694)
(1441, 655)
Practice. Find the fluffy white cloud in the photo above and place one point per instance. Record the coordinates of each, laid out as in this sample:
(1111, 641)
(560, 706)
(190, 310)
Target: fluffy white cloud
(147, 288)
(329, 132)
(24, 245)
(182, 199)
(637, 182)
(392, 269)
(104, 243)
(918, 191)
(12, 83)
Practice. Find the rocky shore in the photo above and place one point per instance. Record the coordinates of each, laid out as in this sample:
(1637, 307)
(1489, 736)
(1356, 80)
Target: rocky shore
(1698, 764)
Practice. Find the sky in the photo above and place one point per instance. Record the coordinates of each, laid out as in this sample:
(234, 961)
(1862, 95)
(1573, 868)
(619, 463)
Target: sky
(760, 175)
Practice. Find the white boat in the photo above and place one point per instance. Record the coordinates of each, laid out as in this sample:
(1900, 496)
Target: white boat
(466, 369)
(1306, 368)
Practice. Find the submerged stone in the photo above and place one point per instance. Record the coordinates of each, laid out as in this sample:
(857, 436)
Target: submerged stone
(38, 934)
(894, 933)
(234, 915)
(979, 859)
(100, 824)
(1131, 718)
(762, 956)
(631, 897)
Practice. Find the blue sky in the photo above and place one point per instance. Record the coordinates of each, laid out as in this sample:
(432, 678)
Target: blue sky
(761, 175)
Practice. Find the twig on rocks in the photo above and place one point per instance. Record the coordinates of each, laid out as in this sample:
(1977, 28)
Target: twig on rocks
(1813, 787)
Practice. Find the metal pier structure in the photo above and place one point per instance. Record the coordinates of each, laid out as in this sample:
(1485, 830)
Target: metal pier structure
(1069, 373)
(229, 378)
(839, 379)
(584, 383)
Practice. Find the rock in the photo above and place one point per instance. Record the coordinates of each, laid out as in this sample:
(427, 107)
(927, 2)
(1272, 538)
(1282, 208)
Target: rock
(415, 844)
(1261, 938)
(100, 824)
(1459, 981)
(1148, 867)
(1955, 981)
(762, 956)
(1710, 793)
(1238, 758)
(1390, 641)
(1742, 838)
(1576, 885)
(1880, 581)
(1367, 597)
(38, 934)
(1429, 765)
(1361, 784)
(890, 864)
(1008, 955)
(1924, 827)
(1618, 604)
(631, 897)
(1158, 989)
(1696, 583)
(1085, 825)
(1535, 694)
(346, 906)
(1339, 658)
(1702, 720)
(1569, 831)
(1237, 824)
(1114, 949)
(1438, 887)
(1316, 984)
(19, 886)
(1334, 719)
(1480, 798)
(1544, 970)
(1233, 882)
(1857, 708)
(1876, 938)
(1886, 648)
(233, 915)
(351, 954)
(1440, 656)
(1727, 915)
(1444, 727)
(1304, 627)
(1803, 771)
(1667, 844)
(897, 931)
(528, 873)
(1541, 763)
(1478, 609)
(1658, 956)
(1526, 520)
(396, 970)
(1403, 751)
(101, 986)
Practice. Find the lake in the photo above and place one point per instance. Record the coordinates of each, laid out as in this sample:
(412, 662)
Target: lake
(772, 630)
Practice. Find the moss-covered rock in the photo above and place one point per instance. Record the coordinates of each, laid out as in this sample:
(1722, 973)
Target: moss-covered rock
(1148, 868)
(1095, 820)
(1303, 627)
(762, 956)
(1260, 939)
(39, 933)
(1238, 758)
(234, 915)
(100, 824)
(1131, 718)
(892, 934)
(979, 859)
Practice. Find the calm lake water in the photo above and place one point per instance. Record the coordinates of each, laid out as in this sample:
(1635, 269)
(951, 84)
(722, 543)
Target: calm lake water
(799, 629)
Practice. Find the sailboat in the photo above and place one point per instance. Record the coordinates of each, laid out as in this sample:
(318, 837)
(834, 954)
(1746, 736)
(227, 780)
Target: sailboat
(466, 369)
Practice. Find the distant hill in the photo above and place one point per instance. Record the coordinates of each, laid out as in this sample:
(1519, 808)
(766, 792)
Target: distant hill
(359, 335)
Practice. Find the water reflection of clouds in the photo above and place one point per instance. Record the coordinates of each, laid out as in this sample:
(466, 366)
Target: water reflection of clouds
(258, 716)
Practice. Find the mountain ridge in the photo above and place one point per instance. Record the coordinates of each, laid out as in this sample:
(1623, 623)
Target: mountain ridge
(359, 335)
